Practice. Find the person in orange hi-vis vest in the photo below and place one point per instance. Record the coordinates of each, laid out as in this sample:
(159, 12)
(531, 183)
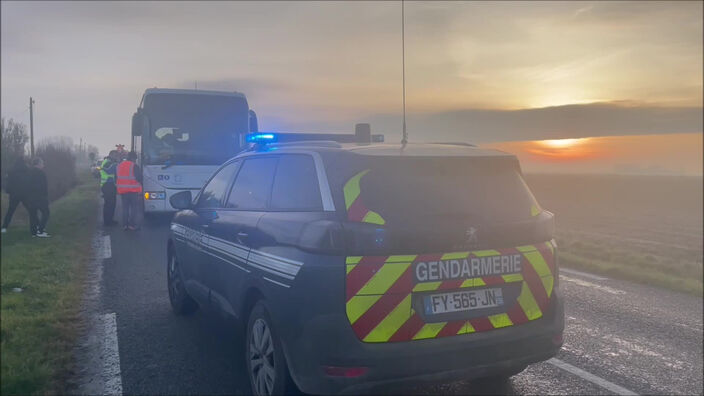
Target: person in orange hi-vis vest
(129, 188)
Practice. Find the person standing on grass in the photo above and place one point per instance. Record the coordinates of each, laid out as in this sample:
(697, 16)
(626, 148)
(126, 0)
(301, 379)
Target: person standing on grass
(38, 196)
(129, 187)
(108, 169)
(16, 188)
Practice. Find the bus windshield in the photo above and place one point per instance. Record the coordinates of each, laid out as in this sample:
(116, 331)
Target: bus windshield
(193, 129)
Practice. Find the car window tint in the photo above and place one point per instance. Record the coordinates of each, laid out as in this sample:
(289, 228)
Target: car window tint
(253, 184)
(296, 185)
(214, 191)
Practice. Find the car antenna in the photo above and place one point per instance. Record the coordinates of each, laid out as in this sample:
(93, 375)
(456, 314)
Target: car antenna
(404, 139)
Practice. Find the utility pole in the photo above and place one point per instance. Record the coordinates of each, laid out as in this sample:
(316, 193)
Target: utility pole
(31, 127)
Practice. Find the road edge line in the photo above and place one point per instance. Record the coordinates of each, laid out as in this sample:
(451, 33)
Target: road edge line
(610, 386)
(584, 274)
(111, 356)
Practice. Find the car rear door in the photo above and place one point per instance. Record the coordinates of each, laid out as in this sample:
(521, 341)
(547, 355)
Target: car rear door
(205, 209)
(234, 231)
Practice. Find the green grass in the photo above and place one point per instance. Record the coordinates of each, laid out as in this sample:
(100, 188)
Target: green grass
(675, 269)
(39, 325)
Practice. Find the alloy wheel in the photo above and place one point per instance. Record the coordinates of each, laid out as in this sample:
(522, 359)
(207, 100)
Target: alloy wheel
(261, 358)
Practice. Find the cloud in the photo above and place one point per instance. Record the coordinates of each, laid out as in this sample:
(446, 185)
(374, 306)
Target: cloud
(560, 122)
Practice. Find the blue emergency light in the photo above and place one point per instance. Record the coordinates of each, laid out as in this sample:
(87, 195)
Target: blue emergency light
(261, 137)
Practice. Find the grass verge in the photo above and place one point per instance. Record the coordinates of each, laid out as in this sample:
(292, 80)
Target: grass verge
(674, 269)
(40, 323)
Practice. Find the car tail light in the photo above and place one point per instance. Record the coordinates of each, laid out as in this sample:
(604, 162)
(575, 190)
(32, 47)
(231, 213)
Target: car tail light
(347, 372)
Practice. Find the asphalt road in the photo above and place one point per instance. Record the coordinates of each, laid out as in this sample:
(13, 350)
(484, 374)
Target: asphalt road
(619, 336)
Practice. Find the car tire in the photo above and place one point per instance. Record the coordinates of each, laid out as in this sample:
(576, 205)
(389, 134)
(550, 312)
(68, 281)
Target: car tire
(266, 364)
(181, 302)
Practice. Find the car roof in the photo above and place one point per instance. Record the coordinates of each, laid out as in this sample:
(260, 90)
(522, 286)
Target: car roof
(383, 150)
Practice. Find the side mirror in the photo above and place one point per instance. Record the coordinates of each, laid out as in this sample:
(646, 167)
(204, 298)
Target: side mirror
(253, 123)
(181, 200)
(137, 123)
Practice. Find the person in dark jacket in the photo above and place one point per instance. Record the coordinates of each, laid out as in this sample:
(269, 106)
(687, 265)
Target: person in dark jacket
(16, 187)
(108, 168)
(38, 196)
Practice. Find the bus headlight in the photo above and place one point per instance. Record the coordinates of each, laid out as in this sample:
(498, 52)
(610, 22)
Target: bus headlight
(152, 195)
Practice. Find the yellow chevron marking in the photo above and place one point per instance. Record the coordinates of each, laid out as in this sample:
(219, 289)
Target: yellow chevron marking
(469, 328)
(549, 245)
(391, 323)
(350, 267)
(351, 189)
(353, 259)
(358, 305)
(534, 211)
(485, 253)
(512, 278)
(401, 259)
(548, 284)
(526, 248)
(429, 330)
(500, 320)
(454, 255)
(426, 286)
(541, 267)
(468, 283)
(528, 303)
(479, 282)
(384, 278)
(373, 218)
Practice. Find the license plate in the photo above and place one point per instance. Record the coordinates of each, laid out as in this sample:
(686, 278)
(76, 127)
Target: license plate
(462, 301)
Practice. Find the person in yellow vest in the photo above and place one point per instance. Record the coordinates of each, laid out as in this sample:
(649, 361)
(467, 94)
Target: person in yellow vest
(108, 169)
(129, 188)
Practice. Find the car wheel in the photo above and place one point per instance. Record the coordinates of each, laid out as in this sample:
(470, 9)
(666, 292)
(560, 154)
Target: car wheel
(181, 302)
(266, 364)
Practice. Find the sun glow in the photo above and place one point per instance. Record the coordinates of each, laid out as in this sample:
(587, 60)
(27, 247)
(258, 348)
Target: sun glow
(561, 143)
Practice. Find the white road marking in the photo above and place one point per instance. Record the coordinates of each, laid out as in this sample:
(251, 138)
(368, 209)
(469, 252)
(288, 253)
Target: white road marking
(584, 274)
(591, 285)
(610, 386)
(111, 356)
(103, 249)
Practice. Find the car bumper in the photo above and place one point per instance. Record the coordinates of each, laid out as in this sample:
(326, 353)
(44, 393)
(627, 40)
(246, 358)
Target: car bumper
(423, 361)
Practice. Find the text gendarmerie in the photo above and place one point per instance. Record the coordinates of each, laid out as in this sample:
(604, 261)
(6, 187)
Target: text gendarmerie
(428, 271)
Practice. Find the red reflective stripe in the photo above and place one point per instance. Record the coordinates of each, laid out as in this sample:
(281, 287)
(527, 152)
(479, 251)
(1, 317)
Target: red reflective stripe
(516, 314)
(374, 315)
(408, 329)
(451, 284)
(536, 285)
(362, 273)
(481, 324)
(451, 328)
(493, 280)
(357, 211)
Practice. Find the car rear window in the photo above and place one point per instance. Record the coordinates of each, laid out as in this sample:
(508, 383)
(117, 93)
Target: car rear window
(403, 191)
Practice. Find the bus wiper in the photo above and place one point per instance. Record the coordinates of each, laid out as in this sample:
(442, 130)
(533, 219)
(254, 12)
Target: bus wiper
(167, 164)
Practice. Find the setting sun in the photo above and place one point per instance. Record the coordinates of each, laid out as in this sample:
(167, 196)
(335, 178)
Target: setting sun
(561, 143)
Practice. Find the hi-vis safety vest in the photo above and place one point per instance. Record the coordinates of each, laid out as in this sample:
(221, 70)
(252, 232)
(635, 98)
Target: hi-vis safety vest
(126, 182)
(105, 176)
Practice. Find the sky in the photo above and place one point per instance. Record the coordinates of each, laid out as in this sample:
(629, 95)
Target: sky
(627, 75)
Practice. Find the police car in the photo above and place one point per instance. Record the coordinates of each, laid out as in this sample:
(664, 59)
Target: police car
(359, 265)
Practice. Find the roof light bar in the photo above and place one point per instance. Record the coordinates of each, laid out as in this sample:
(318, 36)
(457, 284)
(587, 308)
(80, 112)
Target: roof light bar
(261, 137)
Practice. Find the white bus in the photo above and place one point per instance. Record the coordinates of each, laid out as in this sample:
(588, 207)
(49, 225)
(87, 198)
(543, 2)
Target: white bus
(181, 136)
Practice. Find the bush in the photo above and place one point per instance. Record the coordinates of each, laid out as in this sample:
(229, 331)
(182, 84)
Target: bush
(59, 164)
(14, 139)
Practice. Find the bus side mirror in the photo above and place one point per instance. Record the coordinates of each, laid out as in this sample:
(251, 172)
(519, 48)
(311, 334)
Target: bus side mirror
(181, 200)
(137, 123)
(253, 123)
